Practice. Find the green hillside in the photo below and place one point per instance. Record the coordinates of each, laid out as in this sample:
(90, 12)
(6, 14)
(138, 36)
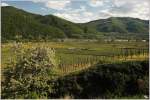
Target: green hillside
(121, 27)
(18, 24)
(70, 29)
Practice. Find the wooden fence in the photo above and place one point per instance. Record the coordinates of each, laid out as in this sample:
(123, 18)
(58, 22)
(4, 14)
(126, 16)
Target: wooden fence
(82, 61)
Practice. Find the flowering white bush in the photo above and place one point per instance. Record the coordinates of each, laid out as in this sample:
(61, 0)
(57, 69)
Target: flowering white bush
(30, 74)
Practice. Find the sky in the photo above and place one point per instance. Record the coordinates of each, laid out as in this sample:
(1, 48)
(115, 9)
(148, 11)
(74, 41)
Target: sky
(81, 11)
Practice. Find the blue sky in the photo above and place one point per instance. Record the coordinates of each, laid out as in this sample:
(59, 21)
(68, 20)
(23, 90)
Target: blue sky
(81, 11)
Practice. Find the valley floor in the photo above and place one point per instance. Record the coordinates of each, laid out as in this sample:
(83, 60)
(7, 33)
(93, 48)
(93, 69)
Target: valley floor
(120, 65)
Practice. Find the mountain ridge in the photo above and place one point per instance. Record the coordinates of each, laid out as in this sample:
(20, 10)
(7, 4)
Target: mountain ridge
(20, 24)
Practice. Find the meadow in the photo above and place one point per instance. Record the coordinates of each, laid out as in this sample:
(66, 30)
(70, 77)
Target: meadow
(80, 55)
(54, 69)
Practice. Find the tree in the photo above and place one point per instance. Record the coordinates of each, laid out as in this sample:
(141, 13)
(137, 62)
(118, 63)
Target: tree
(85, 29)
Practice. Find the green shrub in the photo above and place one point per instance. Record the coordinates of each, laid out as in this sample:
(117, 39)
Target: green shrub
(126, 79)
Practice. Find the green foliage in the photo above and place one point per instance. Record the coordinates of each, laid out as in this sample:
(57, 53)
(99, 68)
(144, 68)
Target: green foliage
(24, 25)
(122, 27)
(36, 80)
(19, 25)
(28, 76)
(67, 27)
(125, 79)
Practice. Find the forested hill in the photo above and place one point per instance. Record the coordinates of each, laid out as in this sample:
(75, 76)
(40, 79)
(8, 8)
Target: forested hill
(18, 24)
(121, 25)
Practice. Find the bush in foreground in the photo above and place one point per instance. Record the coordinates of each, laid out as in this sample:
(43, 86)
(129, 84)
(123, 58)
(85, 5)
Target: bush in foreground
(28, 76)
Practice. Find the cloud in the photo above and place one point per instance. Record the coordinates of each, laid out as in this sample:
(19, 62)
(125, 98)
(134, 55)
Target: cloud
(97, 9)
(59, 5)
(96, 3)
(122, 8)
(54, 4)
(80, 15)
(36, 1)
(44, 9)
(116, 8)
(76, 17)
(130, 8)
(4, 4)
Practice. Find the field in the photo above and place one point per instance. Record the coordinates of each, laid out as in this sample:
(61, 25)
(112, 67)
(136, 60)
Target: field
(74, 52)
(77, 57)
(77, 54)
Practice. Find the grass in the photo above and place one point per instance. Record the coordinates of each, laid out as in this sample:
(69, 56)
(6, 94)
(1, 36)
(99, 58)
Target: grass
(77, 56)
(81, 57)
(77, 50)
